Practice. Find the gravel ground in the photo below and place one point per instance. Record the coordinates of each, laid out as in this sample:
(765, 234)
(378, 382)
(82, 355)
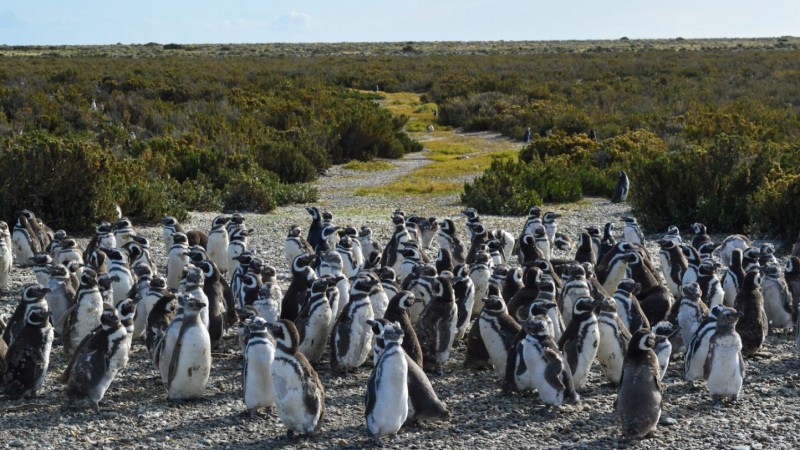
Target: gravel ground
(136, 414)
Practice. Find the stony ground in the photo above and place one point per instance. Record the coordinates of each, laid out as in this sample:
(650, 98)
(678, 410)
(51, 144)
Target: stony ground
(136, 414)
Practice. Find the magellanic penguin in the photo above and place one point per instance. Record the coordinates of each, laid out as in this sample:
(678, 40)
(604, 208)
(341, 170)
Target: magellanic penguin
(159, 318)
(576, 287)
(123, 231)
(580, 339)
(398, 312)
(767, 254)
(697, 347)
(177, 259)
(295, 295)
(314, 320)
(436, 328)
(237, 244)
(585, 252)
(387, 388)
(315, 229)
(791, 273)
(218, 241)
(26, 243)
(628, 308)
(654, 298)
(85, 315)
(725, 249)
(754, 325)
(607, 242)
(733, 278)
(447, 237)
(212, 288)
(614, 339)
(96, 362)
(498, 330)
(190, 363)
(480, 271)
(295, 244)
(663, 349)
(673, 264)
(724, 365)
(61, 296)
(268, 302)
(119, 271)
(33, 296)
(170, 226)
(692, 311)
(351, 337)
(700, 235)
(28, 356)
(258, 389)
(777, 297)
(299, 393)
(710, 286)
(6, 261)
(620, 193)
(632, 232)
(464, 290)
(638, 402)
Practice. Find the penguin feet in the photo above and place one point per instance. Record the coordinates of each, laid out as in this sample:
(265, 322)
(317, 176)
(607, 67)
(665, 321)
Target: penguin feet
(95, 406)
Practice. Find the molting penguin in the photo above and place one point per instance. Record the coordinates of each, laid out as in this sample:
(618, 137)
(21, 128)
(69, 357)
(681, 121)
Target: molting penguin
(258, 389)
(190, 364)
(697, 347)
(692, 311)
(96, 362)
(724, 366)
(33, 296)
(28, 356)
(777, 298)
(436, 328)
(639, 399)
(314, 320)
(398, 312)
(632, 232)
(351, 336)
(159, 318)
(85, 316)
(620, 193)
(581, 338)
(753, 326)
(498, 330)
(725, 249)
(299, 393)
(387, 389)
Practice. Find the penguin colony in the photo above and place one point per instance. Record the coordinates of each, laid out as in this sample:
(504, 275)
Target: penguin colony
(540, 322)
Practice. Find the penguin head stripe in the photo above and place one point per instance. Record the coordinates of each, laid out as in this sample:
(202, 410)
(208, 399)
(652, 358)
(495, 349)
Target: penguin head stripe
(34, 292)
(109, 317)
(286, 335)
(643, 340)
(692, 291)
(408, 299)
(584, 305)
(536, 325)
(37, 316)
(314, 211)
(392, 332)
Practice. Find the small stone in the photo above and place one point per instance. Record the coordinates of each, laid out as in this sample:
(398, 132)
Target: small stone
(667, 421)
(15, 443)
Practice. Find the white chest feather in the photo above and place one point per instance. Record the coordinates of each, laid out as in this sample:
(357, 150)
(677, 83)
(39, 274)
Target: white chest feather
(725, 375)
(258, 388)
(390, 388)
(189, 375)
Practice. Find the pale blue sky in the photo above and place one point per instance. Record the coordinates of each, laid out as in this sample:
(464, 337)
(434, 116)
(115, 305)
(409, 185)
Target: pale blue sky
(55, 22)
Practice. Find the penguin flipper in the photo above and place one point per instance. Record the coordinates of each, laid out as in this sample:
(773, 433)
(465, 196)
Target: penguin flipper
(76, 355)
(370, 398)
(173, 362)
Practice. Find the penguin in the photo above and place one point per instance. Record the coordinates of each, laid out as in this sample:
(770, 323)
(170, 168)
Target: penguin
(596, 234)
(581, 338)
(61, 296)
(387, 388)
(190, 362)
(162, 354)
(295, 295)
(295, 244)
(126, 310)
(710, 286)
(663, 331)
(493, 247)
(351, 337)
(368, 243)
(123, 232)
(447, 238)
(350, 261)
(734, 277)
(158, 319)
(550, 225)
(422, 400)
(632, 232)
(585, 252)
(533, 220)
(628, 308)
(40, 263)
(397, 312)
(692, 311)
(69, 251)
(268, 302)
(724, 367)
(777, 298)
(725, 249)
(673, 234)
(422, 285)
(673, 265)
(314, 320)
(388, 281)
(766, 255)
(299, 394)
(700, 235)
(639, 400)
(545, 304)
(237, 244)
(377, 297)
(436, 328)
(25, 242)
(472, 218)
(498, 330)
(218, 241)
(576, 287)
(330, 233)
(750, 259)
(33, 296)
(614, 266)
(480, 271)
(139, 253)
(541, 242)
(464, 290)
(355, 246)
(170, 226)
(654, 298)
(97, 361)
(753, 325)
(28, 356)
(411, 259)
(177, 259)
(697, 347)
(791, 274)
(614, 340)
(607, 242)
(507, 241)
(105, 285)
(620, 193)
(527, 293)
(258, 389)
(563, 242)
(193, 281)
(512, 284)
(119, 271)
(212, 288)
(237, 275)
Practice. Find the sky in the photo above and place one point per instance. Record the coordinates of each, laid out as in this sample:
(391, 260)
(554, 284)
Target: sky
(93, 22)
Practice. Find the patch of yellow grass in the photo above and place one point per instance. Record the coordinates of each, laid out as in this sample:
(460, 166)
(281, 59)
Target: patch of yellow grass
(368, 166)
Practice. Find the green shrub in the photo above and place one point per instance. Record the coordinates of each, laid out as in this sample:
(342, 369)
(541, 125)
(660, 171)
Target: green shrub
(251, 194)
(776, 205)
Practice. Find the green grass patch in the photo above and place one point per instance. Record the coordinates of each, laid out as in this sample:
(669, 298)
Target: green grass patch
(368, 166)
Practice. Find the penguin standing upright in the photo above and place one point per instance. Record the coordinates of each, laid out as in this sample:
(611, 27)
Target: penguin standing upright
(212, 288)
(697, 347)
(436, 328)
(98, 359)
(638, 402)
(26, 244)
(710, 286)
(351, 337)
(628, 308)
(159, 318)
(498, 330)
(754, 325)
(791, 273)
(295, 295)
(190, 364)
(33, 296)
(6, 259)
(576, 287)
(632, 232)
(620, 193)
(777, 298)
(464, 290)
(480, 271)
(177, 259)
(295, 244)
(724, 365)
(61, 296)
(673, 264)
(314, 320)
(85, 316)
(315, 229)
(733, 278)
(123, 231)
(218, 241)
(397, 311)
(692, 311)
(299, 394)
(122, 280)
(170, 226)
(387, 389)
(448, 239)
(268, 302)
(663, 331)
(237, 244)
(28, 356)
(580, 339)
(585, 252)
(258, 389)
(614, 339)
